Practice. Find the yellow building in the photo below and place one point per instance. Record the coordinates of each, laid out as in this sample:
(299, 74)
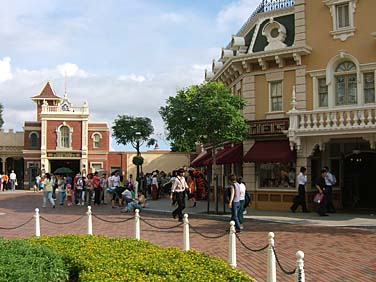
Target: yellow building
(306, 69)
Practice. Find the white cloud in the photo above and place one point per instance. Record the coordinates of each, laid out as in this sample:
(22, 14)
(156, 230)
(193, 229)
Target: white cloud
(236, 12)
(132, 77)
(5, 69)
(173, 17)
(71, 70)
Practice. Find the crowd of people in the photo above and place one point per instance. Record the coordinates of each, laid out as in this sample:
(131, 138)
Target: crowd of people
(8, 182)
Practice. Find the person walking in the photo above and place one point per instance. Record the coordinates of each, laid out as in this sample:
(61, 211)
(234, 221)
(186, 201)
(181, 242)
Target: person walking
(104, 186)
(47, 191)
(300, 198)
(330, 180)
(4, 180)
(61, 189)
(243, 190)
(178, 191)
(320, 185)
(13, 180)
(97, 188)
(234, 202)
(191, 188)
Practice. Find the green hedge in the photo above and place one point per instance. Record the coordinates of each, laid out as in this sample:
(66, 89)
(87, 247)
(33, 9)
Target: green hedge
(20, 262)
(97, 258)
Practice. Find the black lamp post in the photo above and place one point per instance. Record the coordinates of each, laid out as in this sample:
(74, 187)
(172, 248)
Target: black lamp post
(138, 134)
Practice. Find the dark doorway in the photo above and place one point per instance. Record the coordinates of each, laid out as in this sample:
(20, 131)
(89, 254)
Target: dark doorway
(74, 165)
(359, 190)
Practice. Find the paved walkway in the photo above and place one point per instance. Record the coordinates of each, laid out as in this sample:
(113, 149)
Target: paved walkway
(332, 253)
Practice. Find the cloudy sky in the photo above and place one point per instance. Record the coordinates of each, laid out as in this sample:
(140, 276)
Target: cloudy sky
(123, 57)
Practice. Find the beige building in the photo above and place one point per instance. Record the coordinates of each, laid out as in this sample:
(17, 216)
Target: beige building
(306, 69)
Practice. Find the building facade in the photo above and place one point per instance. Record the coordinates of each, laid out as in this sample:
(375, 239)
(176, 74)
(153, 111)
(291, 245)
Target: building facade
(306, 70)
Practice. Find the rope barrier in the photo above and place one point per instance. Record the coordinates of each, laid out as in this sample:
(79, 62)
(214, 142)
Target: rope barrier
(18, 226)
(206, 236)
(62, 223)
(280, 266)
(110, 221)
(248, 248)
(162, 228)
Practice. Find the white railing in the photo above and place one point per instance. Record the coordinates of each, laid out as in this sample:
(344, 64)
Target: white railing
(334, 119)
(58, 109)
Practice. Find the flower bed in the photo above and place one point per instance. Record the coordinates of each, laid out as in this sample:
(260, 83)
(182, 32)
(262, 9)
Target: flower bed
(97, 258)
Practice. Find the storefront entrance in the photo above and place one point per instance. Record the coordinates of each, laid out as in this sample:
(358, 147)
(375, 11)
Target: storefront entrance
(359, 189)
(74, 165)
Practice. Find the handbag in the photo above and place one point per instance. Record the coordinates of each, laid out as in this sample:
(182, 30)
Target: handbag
(318, 198)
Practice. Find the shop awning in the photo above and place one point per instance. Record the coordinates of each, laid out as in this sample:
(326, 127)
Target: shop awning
(202, 160)
(270, 151)
(230, 155)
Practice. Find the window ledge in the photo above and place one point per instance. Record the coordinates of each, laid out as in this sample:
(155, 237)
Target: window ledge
(272, 115)
(343, 33)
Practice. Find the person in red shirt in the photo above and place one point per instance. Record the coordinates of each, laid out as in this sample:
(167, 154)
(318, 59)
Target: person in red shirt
(97, 188)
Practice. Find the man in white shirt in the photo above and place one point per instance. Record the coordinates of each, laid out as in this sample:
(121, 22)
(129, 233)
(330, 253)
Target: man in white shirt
(330, 180)
(13, 180)
(178, 191)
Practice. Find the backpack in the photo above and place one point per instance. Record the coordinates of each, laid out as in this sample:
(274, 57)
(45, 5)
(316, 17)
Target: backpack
(227, 193)
(247, 200)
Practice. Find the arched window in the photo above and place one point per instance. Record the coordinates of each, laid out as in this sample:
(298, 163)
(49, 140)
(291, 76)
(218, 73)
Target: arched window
(33, 139)
(96, 140)
(345, 84)
(64, 137)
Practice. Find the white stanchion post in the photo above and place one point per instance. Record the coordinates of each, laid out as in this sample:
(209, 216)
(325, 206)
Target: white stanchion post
(37, 223)
(271, 275)
(186, 245)
(299, 273)
(137, 224)
(89, 221)
(232, 245)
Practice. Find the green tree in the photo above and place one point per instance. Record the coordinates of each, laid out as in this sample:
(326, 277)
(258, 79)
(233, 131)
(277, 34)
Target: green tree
(135, 131)
(207, 113)
(1, 116)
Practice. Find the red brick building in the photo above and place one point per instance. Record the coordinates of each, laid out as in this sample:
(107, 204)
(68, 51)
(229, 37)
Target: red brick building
(62, 136)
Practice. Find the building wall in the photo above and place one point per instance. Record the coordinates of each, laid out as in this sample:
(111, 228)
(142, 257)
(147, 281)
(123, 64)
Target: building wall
(52, 126)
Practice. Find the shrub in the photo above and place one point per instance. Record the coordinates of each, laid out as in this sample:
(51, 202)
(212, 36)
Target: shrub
(22, 262)
(97, 258)
(138, 160)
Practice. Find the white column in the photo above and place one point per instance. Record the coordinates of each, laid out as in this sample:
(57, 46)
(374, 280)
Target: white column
(299, 272)
(89, 221)
(271, 266)
(232, 245)
(186, 245)
(37, 223)
(137, 224)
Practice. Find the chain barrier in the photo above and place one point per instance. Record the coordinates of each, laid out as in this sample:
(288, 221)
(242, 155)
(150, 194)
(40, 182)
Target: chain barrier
(206, 236)
(162, 228)
(62, 223)
(248, 248)
(280, 266)
(18, 226)
(111, 221)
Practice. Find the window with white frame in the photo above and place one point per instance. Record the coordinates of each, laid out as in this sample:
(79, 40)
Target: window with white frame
(96, 166)
(64, 137)
(96, 140)
(275, 90)
(343, 13)
(369, 87)
(323, 92)
(33, 139)
(345, 84)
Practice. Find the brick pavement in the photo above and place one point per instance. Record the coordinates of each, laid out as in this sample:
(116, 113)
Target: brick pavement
(335, 254)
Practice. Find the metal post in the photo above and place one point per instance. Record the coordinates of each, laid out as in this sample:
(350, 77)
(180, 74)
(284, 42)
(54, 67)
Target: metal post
(299, 272)
(37, 223)
(186, 245)
(232, 245)
(271, 275)
(137, 224)
(89, 221)
(209, 196)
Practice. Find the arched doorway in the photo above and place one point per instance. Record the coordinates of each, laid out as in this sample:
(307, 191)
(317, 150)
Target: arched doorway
(359, 189)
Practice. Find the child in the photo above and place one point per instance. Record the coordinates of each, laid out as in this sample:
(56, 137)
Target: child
(69, 194)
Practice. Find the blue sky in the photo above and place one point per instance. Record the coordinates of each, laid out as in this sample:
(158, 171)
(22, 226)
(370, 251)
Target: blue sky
(123, 57)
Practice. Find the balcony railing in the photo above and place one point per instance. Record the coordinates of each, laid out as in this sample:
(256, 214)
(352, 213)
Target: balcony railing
(334, 119)
(58, 109)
